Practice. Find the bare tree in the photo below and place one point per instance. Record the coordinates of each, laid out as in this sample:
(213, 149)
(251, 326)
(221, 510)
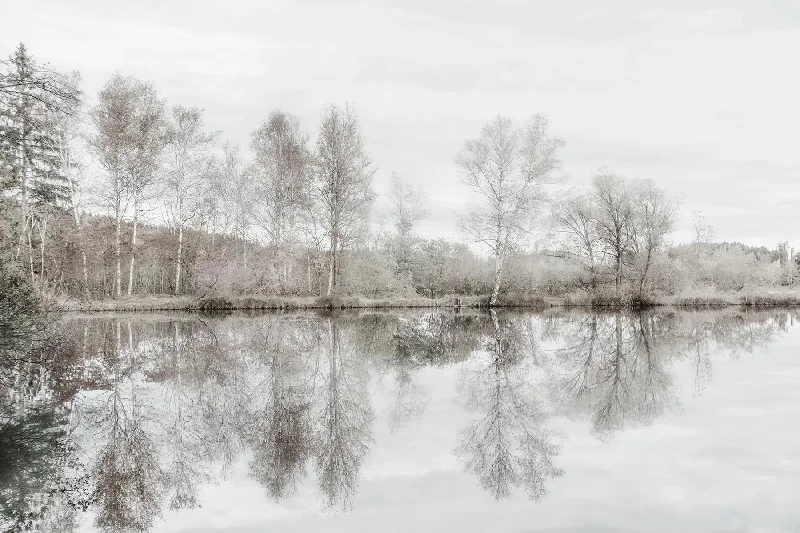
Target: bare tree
(576, 218)
(655, 214)
(619, 224)
(68, 136)
(190, 164)
(508, 168)
(408, 204)
(111, 118)
(147, 143)
(343, 181)
(239, 196)
(615, 219)
(127, 140)
(703, 230)
(282, 169)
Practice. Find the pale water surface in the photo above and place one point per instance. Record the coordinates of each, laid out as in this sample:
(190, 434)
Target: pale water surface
(421, 421)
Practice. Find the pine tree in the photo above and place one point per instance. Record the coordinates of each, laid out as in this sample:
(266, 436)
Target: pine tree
(32, 104)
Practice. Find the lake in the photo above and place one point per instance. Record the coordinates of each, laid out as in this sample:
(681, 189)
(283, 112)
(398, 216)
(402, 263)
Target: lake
(414, 421)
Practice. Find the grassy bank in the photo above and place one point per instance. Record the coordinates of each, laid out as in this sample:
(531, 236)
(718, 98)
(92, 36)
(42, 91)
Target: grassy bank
(276, 303)
(583, 300)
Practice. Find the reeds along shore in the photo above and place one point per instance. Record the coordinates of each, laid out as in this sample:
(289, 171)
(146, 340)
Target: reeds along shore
(534, 302)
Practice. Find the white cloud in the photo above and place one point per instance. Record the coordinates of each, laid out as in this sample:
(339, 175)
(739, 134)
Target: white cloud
(699, 97)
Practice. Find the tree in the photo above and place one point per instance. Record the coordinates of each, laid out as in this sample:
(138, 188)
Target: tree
(40, 83)
(342, 182)
(575, 217)
(615, 219)
(703, 230)
(508, 168)
(282, 168)
(147, 142)
(408, 204)
(408, 208)
(190, 165)
(30, 113)
(655, 217)
(127, 140)
(239, 195)
(68, 135)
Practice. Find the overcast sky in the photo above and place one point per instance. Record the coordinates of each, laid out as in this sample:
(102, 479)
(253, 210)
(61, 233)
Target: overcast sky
(699, 95)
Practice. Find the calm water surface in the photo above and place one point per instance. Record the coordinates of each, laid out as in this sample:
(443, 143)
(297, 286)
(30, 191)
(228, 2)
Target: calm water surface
(418, 422)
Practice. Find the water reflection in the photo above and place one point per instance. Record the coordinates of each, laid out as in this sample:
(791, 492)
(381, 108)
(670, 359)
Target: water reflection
(508, 445)
(132, 416)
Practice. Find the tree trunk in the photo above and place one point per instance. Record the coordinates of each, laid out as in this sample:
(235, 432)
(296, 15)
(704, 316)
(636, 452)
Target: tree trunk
(310, 287)
(42, 236)
(645, 271)
(81, 242)
(27, 218)
(133, 243)
(178, 265)
(332, 266)
(498, 275)
(117, 255)
(28, 231)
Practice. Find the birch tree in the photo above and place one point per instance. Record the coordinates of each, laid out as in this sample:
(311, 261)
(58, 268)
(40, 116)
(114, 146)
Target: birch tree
(407, 209)
(239, 197)
(127, 140)
(67, 144)
(190, 164)
(146, 144)
(407, 204)
(655, 215)
(508, 169)
(342, 182)
(282, 169)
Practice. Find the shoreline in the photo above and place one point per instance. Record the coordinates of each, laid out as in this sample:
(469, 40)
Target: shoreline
(530, 302)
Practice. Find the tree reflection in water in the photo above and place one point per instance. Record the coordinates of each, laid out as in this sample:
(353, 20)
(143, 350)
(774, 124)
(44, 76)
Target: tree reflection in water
(280, 432)
(509, 446)
(132, 417)
(615, 368)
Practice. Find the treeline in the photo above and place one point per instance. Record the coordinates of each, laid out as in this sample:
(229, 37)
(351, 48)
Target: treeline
(124, 194)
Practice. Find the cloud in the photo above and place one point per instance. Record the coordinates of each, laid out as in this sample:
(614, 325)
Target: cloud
(700, 97)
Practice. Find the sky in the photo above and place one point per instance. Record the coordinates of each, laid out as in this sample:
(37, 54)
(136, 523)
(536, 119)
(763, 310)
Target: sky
(701, 96)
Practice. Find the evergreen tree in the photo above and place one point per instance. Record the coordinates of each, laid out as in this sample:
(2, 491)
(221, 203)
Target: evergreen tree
(33, 102)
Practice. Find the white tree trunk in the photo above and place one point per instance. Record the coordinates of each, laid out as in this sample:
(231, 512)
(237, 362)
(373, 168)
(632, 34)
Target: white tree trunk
(42, 236)
(178, 265)
(498, 273)
(133, 244)
(117, 255)
(310, 287)
(81, 242)
(332, 265)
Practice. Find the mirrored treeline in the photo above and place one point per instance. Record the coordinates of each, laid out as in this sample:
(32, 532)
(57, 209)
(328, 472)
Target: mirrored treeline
(130, 416)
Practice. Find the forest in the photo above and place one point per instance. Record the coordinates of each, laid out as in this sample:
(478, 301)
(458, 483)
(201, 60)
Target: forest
(122, 196)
